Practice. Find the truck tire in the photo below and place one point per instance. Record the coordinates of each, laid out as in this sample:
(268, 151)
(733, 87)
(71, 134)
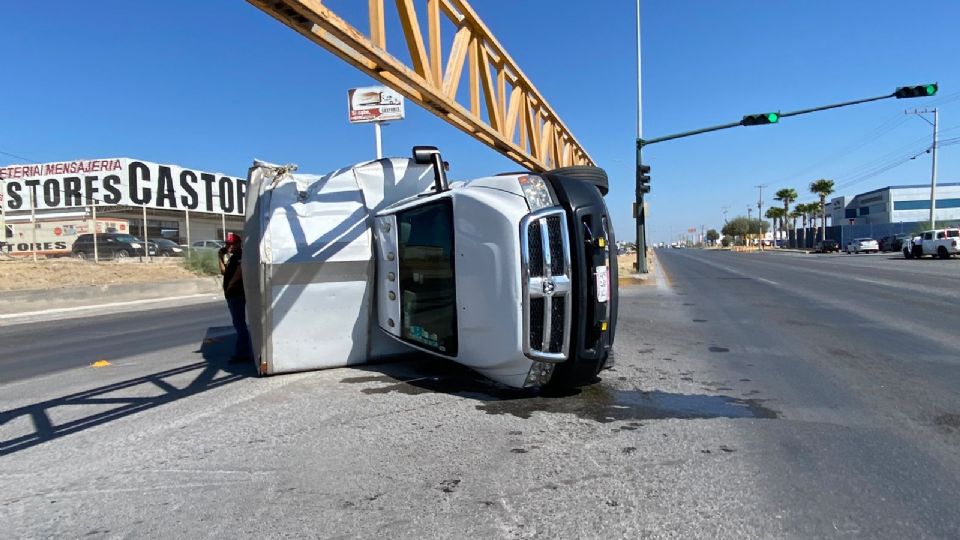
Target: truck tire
(907, 254)
(585, 173)
(943, 253)
(80, 255)
(917, 252)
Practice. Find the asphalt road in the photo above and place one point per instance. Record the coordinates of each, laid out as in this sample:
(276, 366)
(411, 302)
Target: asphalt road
(754, 396)
(39, 348)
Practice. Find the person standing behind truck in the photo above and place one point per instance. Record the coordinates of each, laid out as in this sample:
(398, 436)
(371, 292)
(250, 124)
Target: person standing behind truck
(229, 257)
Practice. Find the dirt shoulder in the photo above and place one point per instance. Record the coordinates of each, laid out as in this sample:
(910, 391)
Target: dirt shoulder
(16, 275)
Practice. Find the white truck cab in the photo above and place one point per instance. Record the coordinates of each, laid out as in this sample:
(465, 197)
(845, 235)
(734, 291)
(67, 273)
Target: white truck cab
(510, 275)
(942, 243)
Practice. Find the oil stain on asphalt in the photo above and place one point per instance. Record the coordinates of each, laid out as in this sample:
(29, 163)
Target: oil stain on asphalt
(598, 402)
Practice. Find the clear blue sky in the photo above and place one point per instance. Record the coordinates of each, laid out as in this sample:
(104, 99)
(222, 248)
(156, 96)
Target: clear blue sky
(214, 84)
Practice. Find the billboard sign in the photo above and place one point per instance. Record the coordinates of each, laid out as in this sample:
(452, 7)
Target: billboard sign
(374, 104)
(120, 181)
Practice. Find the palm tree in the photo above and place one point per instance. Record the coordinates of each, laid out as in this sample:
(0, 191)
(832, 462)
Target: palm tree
(775, 214)
(822, 187)
(797, 212)
(786, 196)
(814, 210)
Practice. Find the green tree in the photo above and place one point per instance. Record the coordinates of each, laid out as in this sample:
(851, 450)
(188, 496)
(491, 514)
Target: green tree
(787, 196)
(713, 236)
(742, 227)
(822, 188)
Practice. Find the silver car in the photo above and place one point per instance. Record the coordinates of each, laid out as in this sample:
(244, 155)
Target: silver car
(865, 245)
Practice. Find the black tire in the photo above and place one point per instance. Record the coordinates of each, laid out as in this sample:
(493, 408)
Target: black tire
(121, 254)
(917, 252)
(943, 253)
(907, 254)
(80, 255)
(584, 173)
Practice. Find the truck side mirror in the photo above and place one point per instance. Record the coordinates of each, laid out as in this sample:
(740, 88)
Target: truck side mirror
(430, 155)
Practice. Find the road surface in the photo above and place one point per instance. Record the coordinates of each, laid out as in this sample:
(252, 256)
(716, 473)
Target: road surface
(754, 396)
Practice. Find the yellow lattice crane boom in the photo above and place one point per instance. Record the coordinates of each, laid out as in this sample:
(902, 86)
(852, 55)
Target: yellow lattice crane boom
(513, 119)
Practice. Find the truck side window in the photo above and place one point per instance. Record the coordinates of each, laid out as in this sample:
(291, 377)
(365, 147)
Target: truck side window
(428, 295)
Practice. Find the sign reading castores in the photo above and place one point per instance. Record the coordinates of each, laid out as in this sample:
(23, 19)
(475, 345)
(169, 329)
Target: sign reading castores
(120, 181)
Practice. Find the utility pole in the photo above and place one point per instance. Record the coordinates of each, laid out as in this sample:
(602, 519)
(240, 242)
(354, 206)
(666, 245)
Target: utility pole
(639, 208)
(760, 214)
(933, 151)
(749, 223)
(724, 210)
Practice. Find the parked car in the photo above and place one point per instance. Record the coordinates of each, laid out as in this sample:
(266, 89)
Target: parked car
(894, 242)
(109, 246)
(207, 244)
(826, 246)
(167, 248)
(942, 243)
(864, 245)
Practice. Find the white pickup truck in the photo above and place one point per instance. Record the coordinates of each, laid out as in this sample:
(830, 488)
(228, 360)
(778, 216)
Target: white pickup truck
(941, 243)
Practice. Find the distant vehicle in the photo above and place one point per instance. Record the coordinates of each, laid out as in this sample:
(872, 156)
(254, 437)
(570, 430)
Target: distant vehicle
(207, 244)
(894, 242)
(942, 243)
(865, 245)
(827, 246)
(109, 246)
(167, 248)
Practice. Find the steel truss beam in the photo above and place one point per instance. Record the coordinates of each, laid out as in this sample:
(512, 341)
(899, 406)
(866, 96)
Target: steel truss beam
(514, 118)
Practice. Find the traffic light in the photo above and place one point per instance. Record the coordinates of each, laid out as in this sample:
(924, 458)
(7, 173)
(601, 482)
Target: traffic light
(643, 179)
(758, 119)
(923, 90)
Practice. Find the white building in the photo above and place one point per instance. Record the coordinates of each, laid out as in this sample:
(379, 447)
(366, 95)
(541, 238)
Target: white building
(897, 204)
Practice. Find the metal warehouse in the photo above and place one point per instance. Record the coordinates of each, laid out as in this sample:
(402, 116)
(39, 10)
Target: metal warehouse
(897, 204)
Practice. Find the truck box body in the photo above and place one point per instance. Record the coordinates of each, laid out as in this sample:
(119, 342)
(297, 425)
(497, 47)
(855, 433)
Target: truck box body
(308, 262)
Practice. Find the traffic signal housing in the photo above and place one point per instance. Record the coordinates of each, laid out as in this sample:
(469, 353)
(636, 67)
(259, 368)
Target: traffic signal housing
(643, 179)
(923, 90)
(758, 119)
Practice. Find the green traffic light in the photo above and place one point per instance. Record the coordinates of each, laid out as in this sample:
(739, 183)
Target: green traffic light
(931, 89)
(773, 117)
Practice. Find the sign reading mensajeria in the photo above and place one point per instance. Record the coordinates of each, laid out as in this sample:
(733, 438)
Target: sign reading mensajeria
(121, 181)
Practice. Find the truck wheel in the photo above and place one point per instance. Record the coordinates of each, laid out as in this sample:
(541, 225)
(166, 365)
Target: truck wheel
(907, 254)
(120, 255)
(943, 253)
(80, 255)
(917, 252)
(585, 173)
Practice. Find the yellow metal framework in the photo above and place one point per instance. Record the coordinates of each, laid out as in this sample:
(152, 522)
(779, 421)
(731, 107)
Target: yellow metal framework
(519, 122)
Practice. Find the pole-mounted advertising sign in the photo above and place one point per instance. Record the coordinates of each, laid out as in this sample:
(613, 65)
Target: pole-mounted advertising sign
(374, 104)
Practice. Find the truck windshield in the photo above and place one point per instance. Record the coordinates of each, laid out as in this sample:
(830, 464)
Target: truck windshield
(428, 299)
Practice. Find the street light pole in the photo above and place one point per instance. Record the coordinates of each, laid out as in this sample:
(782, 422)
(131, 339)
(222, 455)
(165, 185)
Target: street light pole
(927, 90)
(639, 210)
(760, 214)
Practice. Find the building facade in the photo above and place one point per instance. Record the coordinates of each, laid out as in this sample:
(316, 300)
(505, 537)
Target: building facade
(897, 204)
(47, 205)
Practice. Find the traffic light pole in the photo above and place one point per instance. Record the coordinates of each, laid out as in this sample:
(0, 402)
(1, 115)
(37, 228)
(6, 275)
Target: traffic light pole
(772, 118)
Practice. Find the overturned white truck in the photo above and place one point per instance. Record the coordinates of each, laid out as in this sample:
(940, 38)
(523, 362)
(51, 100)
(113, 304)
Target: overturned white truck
(513, 275)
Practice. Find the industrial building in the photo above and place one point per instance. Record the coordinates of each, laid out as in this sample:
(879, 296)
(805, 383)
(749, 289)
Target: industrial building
(897, 204)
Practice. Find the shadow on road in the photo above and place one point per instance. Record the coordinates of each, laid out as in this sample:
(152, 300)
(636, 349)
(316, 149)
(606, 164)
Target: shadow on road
(212, 372)
(599, 402)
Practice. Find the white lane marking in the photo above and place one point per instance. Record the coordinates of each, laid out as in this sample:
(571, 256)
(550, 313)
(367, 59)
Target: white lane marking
(102, 306)
(767, 281)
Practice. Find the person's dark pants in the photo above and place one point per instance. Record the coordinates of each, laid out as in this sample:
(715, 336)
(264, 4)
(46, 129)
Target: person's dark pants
(238, 312)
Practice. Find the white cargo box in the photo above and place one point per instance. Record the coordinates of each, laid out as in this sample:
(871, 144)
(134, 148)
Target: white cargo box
(308, 262)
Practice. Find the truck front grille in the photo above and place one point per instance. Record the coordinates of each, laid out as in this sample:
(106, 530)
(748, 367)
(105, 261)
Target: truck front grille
(547, 285)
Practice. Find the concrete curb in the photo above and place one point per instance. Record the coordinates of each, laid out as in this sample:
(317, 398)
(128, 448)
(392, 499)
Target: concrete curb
(12, 302)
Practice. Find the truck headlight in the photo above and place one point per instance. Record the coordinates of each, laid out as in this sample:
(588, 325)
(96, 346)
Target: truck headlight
(536, 191)
(135, 245)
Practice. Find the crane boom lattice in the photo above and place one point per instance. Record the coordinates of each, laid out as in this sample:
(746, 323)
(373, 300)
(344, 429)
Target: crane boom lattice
(514, 118)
